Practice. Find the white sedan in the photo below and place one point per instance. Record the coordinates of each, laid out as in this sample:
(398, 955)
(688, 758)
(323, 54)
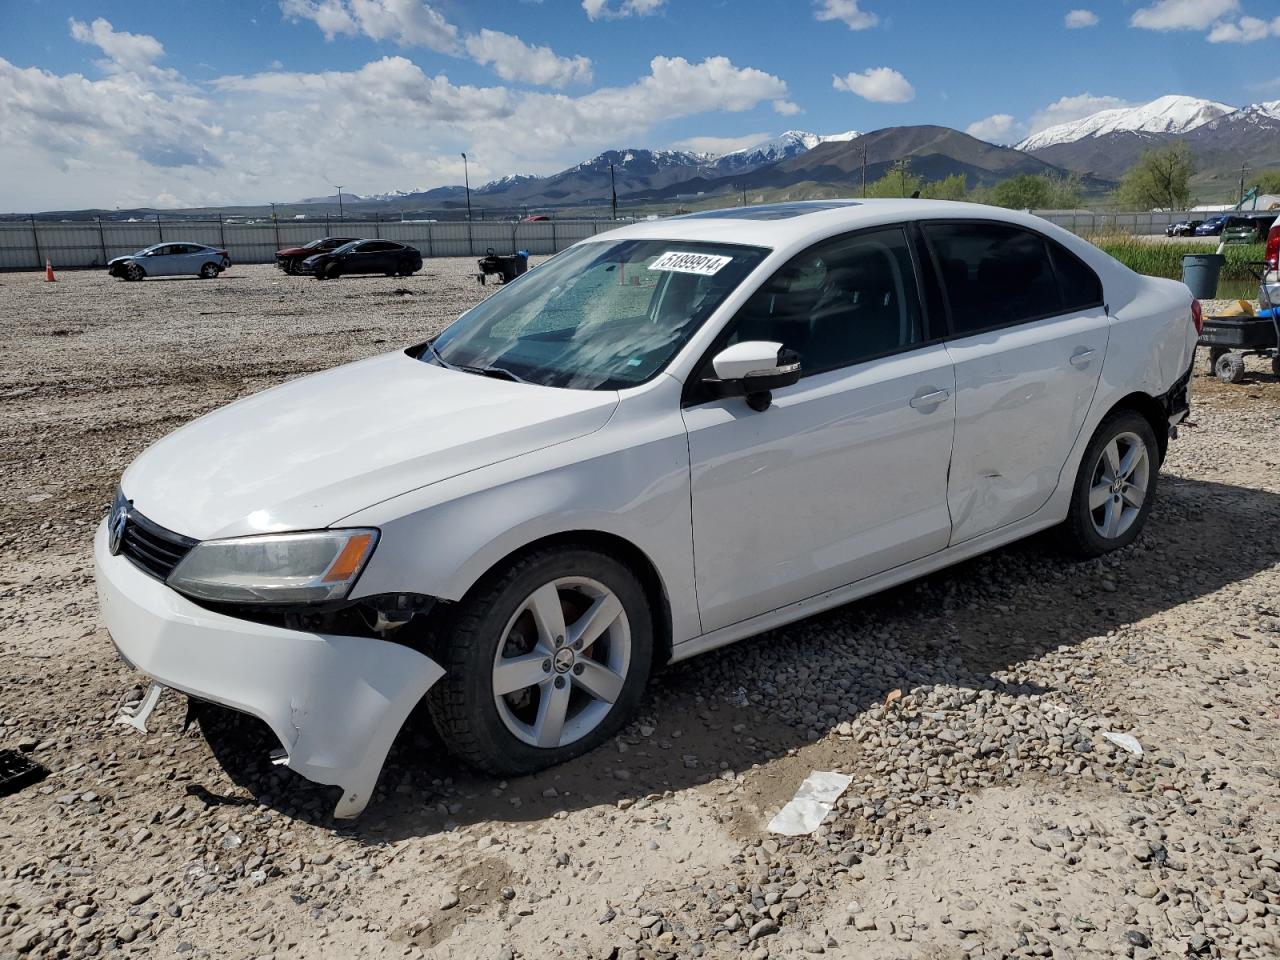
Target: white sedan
(666, 439)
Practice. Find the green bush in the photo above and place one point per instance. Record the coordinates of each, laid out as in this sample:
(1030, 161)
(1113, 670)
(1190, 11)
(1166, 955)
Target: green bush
(1156, 259)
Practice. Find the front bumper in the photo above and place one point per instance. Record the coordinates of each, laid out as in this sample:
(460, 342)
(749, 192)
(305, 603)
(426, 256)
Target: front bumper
(335, 703)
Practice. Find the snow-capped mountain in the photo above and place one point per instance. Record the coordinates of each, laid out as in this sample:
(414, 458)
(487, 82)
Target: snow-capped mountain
(792, 143)
(509, 182)
(1164, 115)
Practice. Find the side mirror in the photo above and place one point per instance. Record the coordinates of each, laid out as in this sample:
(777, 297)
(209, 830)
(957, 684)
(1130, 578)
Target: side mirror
(753, 369)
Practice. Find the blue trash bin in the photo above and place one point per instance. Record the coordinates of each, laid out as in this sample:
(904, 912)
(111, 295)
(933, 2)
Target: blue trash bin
(1200, 272)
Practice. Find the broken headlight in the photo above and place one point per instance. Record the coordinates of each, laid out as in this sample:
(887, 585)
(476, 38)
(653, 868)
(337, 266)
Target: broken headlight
(275, 567)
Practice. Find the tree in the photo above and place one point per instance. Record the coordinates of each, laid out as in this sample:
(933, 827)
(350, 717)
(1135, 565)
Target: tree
(1160, 180)
(1035, 191)
(953, 187)
(898, 182)
(1269, 181)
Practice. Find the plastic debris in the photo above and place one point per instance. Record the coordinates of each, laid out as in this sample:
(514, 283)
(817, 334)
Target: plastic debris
(136, 717)
(18, 771)
(809, 807)
(893, 695)
(1124, 742)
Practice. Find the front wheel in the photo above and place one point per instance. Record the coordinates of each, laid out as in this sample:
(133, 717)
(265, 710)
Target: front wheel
(134, 272)
(208, 271)
(1115, 486)
(544, 661)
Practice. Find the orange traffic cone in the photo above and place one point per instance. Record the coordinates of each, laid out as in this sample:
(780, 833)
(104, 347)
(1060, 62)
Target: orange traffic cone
(48, 272)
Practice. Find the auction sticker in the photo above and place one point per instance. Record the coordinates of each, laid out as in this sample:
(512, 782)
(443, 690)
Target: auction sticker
(706, 264)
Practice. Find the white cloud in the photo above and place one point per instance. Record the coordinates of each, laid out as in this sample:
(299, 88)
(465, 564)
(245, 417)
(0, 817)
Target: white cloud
(878, 84)
(132, 52)
(513, 59)
(1183, 14)
(1079, 19)
(994, 129)
(1068, 109)
(847, 12)
(410, 23)
(786, 108)
(600, 9)
(1244, 30)
(721, 145)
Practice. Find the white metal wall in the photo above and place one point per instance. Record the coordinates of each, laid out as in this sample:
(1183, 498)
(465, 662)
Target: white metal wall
(26, 245)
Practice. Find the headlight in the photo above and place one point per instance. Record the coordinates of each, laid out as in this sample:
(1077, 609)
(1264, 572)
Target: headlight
(275, 567)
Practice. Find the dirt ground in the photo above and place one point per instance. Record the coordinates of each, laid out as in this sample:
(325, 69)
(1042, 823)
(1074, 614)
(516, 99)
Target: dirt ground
(989, 814)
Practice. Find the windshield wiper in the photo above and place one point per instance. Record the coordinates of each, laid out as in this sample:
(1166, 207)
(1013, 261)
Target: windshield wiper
(499, 373)
(431, 345)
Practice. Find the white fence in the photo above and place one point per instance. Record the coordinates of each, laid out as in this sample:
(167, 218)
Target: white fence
(25, 245)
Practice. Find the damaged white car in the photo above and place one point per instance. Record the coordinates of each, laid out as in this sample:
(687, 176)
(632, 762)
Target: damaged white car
(667, 438)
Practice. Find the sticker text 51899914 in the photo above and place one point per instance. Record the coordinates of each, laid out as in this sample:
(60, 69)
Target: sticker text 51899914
(706, 264)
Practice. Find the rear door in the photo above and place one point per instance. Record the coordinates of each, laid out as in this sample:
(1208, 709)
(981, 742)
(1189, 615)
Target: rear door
(1028, 335)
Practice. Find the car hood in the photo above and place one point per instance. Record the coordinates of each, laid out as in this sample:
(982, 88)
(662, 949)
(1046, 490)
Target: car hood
(296, 252)
(115, 260)
(310, 452)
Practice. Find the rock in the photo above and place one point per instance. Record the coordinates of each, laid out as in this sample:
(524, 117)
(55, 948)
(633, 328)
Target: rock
(864, 922)
(449, 900)
(762, 928)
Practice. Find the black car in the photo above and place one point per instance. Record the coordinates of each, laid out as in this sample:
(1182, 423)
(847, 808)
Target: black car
(364, 256)
(1183, 228)
(290, 258)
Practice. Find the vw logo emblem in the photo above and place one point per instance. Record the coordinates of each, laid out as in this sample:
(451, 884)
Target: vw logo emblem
(115, 529)
(563, 660)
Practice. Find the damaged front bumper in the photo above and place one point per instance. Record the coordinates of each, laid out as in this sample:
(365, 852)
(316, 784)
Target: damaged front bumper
(335, 702)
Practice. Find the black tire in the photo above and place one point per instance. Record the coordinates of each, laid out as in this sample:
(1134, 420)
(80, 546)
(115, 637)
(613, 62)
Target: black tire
(1214, 354)
(291, 266)
(1229, 368)
(1078, 533)
(134, 271)
(332, 271)
(463, 704)
(1275, 365)
(209, 271)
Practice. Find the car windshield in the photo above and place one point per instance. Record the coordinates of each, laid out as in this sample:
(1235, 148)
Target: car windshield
(600, 316)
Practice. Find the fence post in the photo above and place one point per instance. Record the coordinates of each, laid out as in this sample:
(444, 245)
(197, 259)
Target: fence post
(555, 244)
(102, 242)
(276, 224)
(159, 228)
(222, 233)
(471, 238)
(36, 237)
(377, 230)
(430, 248)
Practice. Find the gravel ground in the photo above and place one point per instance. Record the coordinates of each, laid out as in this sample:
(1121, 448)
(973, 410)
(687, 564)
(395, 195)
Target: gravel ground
(989, 816)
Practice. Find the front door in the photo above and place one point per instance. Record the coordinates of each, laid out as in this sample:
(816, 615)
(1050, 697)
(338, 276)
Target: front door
(845, 475)
(1030, 333)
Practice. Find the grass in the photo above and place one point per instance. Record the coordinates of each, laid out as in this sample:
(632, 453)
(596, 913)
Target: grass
(1157, 259)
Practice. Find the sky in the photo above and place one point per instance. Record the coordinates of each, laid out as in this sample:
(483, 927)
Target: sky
(215, 102)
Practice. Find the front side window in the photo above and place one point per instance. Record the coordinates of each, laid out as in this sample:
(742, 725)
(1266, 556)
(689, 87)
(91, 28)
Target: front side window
(838, 303)
(600, 316)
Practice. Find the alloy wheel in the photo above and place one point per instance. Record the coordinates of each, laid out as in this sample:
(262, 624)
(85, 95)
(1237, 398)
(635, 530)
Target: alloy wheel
(1121, 479)
(562, 662)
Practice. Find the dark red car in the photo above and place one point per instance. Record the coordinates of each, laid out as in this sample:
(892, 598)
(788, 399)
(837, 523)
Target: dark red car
(290, 259)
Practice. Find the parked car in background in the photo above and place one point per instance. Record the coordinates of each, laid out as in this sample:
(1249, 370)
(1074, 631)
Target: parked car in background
(170, 260)
(1183, 228)
(1211, 227)
(290, 259)
(1248, 229)
(665, 439)
(364, 256)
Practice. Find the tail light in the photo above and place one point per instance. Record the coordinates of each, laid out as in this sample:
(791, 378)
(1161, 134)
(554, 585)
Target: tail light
(1197, 316)
(1273, 246)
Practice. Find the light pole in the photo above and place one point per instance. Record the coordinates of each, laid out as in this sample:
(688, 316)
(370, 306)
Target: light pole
(466, 178)
(340, 216)
(613, 192)
(1243, 168)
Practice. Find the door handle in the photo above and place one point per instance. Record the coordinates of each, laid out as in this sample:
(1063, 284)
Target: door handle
(1081, 358)
(928, 398)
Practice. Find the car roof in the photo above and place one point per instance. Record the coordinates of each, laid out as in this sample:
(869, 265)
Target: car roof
(783, 226)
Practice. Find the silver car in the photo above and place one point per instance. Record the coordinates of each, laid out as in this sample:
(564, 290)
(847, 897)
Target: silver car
(171, 260)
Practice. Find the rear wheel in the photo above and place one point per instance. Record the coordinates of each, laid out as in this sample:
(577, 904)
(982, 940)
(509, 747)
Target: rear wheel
(544, 661)
(1229, 368)
(1115, 486)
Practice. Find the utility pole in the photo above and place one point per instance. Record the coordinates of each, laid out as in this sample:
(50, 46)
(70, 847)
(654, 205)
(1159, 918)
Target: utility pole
(1243, 168)
(613, 191)
(340, 216)
(864, 173)
(466, 177)
(744, 196)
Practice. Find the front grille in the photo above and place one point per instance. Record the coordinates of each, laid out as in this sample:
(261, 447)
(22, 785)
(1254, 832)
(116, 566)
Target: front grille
(151, 548)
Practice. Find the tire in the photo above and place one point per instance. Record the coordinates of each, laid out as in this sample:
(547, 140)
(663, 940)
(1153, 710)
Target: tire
(496, 624)
(1275, 365)
(134, 272)
(1103, 515)
(1229, 368)
(332, 271)
(291, 266)
(209, 271)
(1214, 354)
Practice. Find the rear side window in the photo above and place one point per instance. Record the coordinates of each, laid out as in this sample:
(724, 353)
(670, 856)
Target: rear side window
(1081, 287)
(994, 275)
